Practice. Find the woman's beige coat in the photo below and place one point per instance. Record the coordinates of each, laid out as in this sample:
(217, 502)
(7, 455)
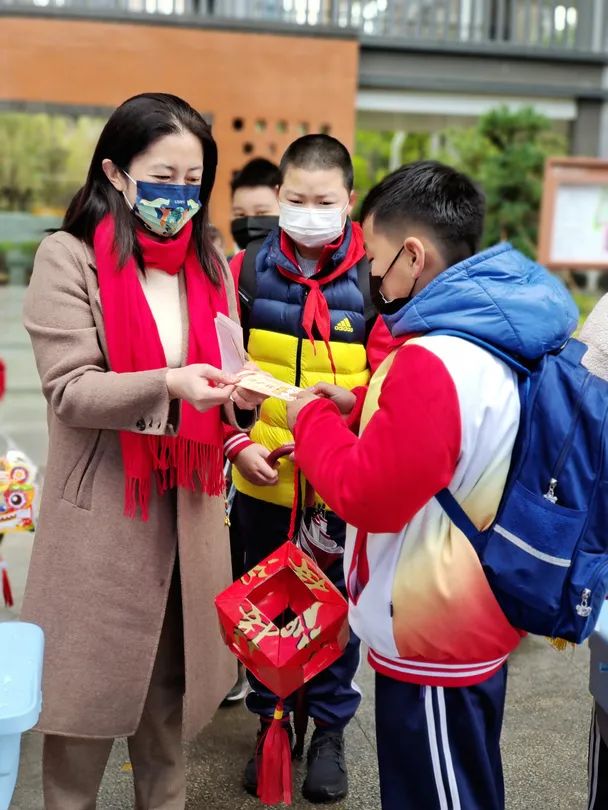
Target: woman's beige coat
(98, 581)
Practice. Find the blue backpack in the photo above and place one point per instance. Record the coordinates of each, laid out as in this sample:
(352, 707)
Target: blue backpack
(546, 554)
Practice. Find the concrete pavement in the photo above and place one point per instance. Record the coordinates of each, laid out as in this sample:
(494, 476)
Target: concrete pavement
(544, 740)
(546, 724)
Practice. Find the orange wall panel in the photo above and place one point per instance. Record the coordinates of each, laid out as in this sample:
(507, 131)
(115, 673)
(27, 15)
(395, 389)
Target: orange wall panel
(277, 85)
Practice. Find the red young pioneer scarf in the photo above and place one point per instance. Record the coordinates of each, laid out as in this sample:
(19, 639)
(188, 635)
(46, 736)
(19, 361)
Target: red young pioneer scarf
(134, 345)
(316, 311)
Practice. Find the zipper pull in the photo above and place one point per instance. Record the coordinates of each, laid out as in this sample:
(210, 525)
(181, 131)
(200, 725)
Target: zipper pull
(550, 493)
(584, 608)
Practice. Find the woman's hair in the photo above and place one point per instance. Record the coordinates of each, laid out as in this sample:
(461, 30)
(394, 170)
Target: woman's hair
(130, 130)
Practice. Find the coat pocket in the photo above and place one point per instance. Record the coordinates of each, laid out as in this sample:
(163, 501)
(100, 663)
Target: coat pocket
(78, 489)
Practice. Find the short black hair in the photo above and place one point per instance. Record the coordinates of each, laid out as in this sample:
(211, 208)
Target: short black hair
(319, 152)
(435, 196)
(258, 172)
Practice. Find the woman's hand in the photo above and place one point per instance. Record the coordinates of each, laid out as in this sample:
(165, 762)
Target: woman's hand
(244, 399)
(344, 399)
(252, 465)
(296, 405)
(203, 386)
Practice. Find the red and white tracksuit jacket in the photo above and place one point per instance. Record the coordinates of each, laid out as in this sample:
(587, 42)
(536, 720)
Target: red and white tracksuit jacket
(439, 412)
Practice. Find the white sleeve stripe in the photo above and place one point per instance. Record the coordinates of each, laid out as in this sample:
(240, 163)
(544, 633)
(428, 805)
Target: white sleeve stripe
(234, 441)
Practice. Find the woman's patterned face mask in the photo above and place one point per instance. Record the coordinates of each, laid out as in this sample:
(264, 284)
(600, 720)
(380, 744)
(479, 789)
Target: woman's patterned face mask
(164, 208)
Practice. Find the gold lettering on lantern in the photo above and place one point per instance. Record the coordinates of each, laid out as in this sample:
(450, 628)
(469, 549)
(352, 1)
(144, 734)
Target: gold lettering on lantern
(243, 642)
(257, 572)
(305, 631)
(252, 620)
(309, 576)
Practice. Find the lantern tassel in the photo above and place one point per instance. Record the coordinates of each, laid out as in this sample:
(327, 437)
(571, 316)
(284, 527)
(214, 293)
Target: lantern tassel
(7, 592)
(274, 772)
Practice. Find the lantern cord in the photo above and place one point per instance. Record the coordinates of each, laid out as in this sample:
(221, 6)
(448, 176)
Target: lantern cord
(295, 508)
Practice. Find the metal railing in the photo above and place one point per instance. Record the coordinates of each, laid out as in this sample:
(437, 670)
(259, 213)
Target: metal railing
(558, 25)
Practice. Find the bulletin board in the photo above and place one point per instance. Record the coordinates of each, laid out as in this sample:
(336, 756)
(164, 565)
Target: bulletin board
(573, 231)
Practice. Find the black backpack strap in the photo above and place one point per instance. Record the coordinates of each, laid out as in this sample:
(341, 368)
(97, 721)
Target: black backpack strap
(247, 279)
(369, 310)
(248, 284)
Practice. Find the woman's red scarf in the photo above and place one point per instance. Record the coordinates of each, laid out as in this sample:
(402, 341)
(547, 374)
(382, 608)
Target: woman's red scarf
(196, 454)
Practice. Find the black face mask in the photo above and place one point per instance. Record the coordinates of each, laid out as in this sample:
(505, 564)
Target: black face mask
(246, 229)
(383, 306)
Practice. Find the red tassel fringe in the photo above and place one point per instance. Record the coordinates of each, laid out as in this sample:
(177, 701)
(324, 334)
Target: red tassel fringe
(176, 462)
(7, 593)
(274, 772)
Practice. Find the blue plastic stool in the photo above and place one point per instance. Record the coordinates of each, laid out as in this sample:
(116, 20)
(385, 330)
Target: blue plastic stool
(598, 675)
(21, 653)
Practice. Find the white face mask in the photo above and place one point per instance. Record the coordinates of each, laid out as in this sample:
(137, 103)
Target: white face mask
(311, 227)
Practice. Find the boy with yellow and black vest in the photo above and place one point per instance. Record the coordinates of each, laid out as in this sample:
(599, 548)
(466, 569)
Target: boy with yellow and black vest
(306, 309)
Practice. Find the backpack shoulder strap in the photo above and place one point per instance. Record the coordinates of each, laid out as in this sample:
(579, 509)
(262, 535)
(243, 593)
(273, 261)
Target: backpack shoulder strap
(369, 311)
(446, 500)
(248, 279)
(457, 515)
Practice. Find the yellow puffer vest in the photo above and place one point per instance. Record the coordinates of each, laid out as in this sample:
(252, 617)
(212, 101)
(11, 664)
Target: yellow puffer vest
(277, 354)
(277, 345)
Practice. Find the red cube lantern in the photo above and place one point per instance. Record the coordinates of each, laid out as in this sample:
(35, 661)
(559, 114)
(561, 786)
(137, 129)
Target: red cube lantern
(286, 622)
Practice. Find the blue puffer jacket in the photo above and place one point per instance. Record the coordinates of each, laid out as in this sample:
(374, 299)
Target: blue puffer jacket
(280, 336)
(498, 296)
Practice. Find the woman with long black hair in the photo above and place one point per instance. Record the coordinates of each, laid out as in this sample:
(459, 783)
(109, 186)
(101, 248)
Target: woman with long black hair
(131, 545)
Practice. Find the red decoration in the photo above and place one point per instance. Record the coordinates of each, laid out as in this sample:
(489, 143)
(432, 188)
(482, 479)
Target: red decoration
(274, 777)
(6, 585)
(286, 622)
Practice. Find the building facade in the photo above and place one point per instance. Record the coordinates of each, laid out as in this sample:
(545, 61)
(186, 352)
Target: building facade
(266, 71)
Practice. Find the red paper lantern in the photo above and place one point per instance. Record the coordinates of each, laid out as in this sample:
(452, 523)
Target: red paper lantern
(286, 622)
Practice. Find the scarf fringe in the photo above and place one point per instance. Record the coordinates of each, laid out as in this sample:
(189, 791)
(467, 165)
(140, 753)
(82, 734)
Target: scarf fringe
(176, 462)
(137, 497)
